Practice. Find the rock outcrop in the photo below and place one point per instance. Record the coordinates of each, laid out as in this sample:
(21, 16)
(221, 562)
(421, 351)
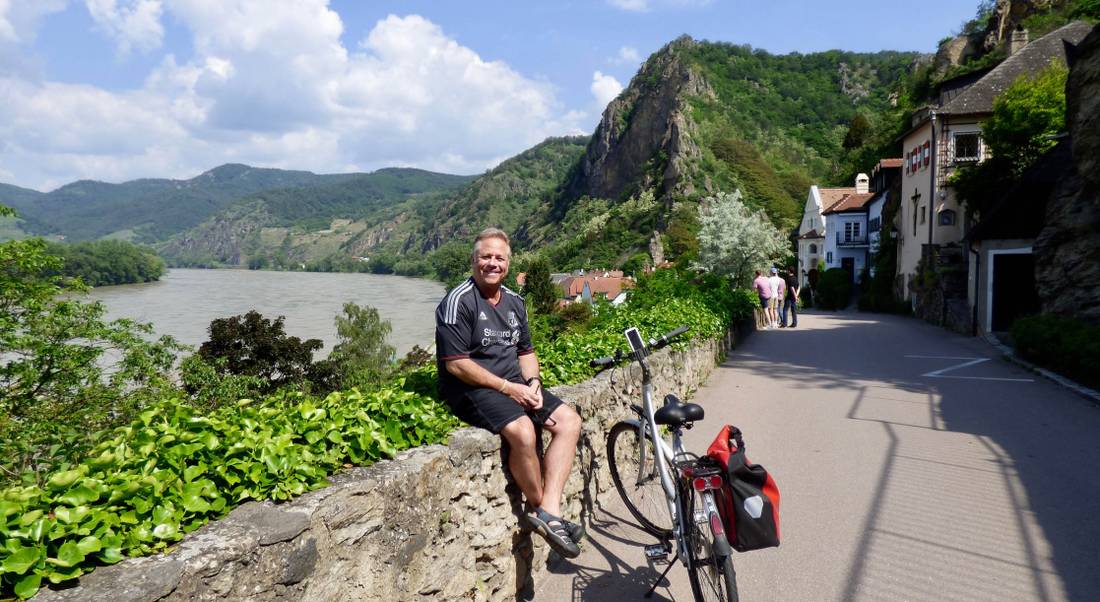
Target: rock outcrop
(1008, 15)
(643, 139)
(1067, 250)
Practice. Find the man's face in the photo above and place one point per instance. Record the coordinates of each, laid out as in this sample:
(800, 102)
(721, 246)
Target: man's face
(491, 261)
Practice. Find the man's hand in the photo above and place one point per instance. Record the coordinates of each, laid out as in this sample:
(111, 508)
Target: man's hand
(528, 396)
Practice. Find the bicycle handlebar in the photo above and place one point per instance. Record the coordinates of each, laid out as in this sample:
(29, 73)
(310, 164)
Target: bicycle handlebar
(654, 344)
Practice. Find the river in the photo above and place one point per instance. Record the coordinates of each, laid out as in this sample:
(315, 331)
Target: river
(184, 301)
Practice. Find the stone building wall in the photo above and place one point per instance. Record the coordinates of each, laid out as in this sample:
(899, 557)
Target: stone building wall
(438, 522)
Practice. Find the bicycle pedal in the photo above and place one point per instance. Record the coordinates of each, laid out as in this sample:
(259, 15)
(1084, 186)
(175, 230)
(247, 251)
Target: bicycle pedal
(658, 552)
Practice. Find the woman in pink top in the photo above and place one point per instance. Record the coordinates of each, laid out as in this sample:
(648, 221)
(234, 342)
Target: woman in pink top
(763, 288)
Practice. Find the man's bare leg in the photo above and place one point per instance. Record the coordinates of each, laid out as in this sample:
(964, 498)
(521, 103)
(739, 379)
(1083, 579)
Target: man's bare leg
(565, 426)
(523, 460)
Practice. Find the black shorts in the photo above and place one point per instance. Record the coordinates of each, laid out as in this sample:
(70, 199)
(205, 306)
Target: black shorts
(763, 302)
(493, 410)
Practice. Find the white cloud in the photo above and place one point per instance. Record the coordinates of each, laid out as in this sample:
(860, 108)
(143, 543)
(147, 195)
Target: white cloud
(628, 55)
(270, 83)
(631, 5)
(641, 6)
(132, 24)
(605, 88)
(19, 21)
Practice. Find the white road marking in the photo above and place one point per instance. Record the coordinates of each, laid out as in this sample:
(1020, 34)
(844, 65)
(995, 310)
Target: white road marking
(969, 361)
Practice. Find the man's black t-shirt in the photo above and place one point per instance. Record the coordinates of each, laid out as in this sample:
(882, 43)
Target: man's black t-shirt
(792, 283)
(468, 326)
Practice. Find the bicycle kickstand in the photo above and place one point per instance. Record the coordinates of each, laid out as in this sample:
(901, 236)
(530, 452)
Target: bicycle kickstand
(653, 588)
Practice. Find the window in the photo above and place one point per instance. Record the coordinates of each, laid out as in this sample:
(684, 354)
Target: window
(923, 212)
(947, 217)
(927, 154)
(914, 217)
(813, 249)
(829, 257)
(968, 147)
(851, 231)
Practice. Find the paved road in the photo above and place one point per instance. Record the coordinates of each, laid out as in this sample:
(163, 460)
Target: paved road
(909, 470)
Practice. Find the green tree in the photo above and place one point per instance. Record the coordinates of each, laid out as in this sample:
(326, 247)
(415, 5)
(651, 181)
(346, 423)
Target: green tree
(452, 263)
(252, 345)
(1027, 116)
(362, 356)
(65, 372)
(858, 131)
(1025, 119)
(538, 290)
(734, 240)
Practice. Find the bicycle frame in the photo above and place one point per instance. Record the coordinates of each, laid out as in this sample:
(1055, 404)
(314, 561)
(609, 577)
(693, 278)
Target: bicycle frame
(663, 463)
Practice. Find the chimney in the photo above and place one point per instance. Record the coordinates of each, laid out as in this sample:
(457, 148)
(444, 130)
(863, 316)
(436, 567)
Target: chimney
(862, 184)
(1018, 40)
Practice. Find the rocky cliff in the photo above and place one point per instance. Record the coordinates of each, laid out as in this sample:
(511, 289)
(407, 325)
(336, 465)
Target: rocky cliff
(644, 139)
(991, 35)
(1067, 250)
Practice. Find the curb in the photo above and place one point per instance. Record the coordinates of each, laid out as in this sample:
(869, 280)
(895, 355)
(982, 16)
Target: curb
(1010, 354)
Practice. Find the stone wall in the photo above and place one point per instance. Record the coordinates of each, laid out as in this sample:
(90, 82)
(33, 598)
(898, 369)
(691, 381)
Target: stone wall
(1067, 250)
(439, 521)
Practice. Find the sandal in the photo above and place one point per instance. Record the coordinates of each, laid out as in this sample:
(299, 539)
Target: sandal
(576, 531)
(555, 531)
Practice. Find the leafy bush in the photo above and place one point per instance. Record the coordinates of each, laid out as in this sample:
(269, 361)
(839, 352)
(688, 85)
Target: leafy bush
(172, 470)
(65, 371)
(252, 345)
(1064, 345)
(834, 289)
(362, 357)
(806, 296)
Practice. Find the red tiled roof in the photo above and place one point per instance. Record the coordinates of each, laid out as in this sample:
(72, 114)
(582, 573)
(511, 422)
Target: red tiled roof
(890, 163)
(599, 285)
(850, 202)
(830, 196)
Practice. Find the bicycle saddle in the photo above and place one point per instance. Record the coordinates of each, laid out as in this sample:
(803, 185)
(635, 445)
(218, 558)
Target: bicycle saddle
(675, 413)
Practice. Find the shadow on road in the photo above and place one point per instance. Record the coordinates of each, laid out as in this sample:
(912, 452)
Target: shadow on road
(979, 471)
(599, 583)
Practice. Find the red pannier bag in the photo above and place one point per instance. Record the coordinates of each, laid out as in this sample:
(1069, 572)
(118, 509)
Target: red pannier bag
(749, 501)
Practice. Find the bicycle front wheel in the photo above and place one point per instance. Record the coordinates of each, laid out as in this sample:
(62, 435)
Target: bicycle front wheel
(711, 574)
(633, 463)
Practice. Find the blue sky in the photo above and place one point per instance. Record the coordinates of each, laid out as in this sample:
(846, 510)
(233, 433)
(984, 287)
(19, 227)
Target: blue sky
(120, 89)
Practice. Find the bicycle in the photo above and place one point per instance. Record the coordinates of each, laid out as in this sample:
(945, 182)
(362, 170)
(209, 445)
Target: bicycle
(668, 490)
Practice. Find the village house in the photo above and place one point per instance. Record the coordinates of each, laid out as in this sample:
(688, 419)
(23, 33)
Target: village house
(947, 135)
(883, 176)
(586, 286)
(811, 233)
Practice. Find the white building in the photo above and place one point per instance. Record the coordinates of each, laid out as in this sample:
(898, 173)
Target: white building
(831, 240)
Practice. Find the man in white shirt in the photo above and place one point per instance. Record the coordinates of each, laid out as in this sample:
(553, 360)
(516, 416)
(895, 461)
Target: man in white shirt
(778, 288)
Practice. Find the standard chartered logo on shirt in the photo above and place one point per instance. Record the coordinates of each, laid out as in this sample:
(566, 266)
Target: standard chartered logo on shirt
(502, 337)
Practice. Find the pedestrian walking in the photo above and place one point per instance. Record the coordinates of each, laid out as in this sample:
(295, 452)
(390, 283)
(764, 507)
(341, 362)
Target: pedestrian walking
(790, 300)
(764, 291)
(778, 288)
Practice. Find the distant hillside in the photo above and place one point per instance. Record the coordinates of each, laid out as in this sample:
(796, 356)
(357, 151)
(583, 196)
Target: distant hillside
(288, 227)
(148, 210)
(17, 198)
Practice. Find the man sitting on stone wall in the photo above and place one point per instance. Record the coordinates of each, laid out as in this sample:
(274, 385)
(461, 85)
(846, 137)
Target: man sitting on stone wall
(489, 377)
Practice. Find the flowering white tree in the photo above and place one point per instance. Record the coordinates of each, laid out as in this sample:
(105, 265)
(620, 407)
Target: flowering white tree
(735, 240)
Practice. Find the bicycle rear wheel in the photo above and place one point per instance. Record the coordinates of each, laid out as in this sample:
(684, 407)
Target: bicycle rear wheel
(633, 463)
(711, 574)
